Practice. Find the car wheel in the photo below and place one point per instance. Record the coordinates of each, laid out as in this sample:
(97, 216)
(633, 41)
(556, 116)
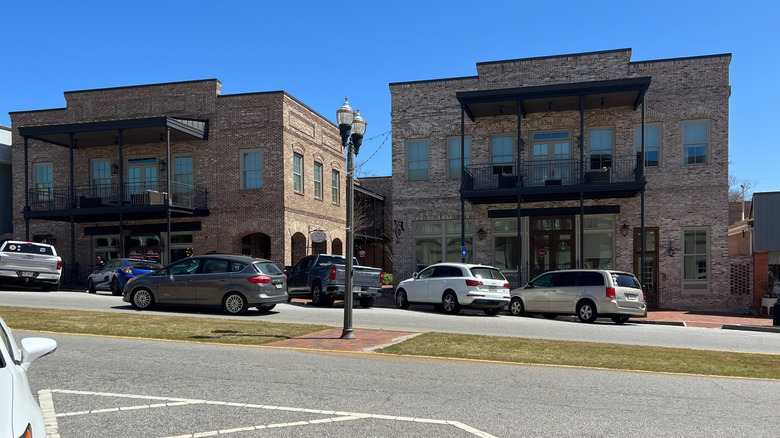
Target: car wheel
(114, 286)
(142, 299)
(318, 298)
(586, 311)
(449, 302)
(366, 302)
(401, 300)
(266, 308)
(550, 315)
(516, 307)
(620, 319)
(91, 286)
(492, 312)
(234, 303)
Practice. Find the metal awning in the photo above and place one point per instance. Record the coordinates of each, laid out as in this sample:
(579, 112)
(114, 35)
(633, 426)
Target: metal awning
(106, 133)
(547, 98)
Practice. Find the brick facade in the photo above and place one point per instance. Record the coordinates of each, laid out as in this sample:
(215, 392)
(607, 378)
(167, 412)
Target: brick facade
(275, 123)
(677, 197)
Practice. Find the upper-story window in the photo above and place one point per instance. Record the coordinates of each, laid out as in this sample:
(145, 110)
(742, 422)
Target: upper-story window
(100, 178)
(183, 177)
(502, 154)
(550, 160)
(318, 180)
(453, 156)
(695, 142)
(418, 160)
(44, 181)
(334, 187)
(600, 149)
(652, 144)
(251, 169)
(298, 173)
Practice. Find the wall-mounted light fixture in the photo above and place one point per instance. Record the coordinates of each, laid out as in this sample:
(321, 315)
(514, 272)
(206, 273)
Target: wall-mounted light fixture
(670, 250)
(114, 169)
(481, 234)
(163, 165)
(624, 229)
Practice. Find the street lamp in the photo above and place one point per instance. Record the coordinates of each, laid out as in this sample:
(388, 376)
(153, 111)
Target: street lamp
(350, 122)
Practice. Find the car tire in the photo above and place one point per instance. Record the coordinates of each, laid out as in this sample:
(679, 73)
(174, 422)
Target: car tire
(318, 298)
(142, 299)
(266, 308)
(516, 307)
(449, 303)
(114, 286)
(620, 319)
(91, 286)
(366, 302)
(586, 311)
(234, 304)
(492, 312)
(401, 300)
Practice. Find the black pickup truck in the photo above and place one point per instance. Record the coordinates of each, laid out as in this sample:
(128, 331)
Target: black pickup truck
(321, 278)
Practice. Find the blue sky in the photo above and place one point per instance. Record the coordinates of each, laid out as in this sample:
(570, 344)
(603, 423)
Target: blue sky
(320, 52)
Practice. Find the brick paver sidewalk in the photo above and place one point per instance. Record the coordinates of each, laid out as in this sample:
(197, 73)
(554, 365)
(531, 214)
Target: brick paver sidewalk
(366, 340)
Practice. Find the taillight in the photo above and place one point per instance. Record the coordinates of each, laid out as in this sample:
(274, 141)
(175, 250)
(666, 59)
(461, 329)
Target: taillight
(381, 278)
(263, 279)
(285, 278)
(59, 264)
(332, 272)
(611, 293)
(473, 283)
(128, 270)
(506, 285)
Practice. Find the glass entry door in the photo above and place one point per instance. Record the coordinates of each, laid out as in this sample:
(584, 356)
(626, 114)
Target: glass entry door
(649, 275)
(550, 161)
(552, 244)
(141, 176)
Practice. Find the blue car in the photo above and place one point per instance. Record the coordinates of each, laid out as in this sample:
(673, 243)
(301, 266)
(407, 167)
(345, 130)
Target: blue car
(114, 274)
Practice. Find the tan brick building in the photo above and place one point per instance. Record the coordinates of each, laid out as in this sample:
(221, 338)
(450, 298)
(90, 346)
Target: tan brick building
(554, 176)
(168, 170)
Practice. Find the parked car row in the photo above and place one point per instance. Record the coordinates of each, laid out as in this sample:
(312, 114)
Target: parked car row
(587, 293)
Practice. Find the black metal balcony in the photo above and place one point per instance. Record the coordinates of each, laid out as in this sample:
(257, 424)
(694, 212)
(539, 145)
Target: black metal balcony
(96, 201)
(551, 180)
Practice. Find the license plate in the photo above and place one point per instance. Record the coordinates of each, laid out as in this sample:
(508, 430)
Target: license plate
(27, 274)
(278, 286)
(631, 296)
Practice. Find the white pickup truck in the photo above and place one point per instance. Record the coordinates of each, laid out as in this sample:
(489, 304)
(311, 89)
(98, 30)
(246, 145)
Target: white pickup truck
(30, 263)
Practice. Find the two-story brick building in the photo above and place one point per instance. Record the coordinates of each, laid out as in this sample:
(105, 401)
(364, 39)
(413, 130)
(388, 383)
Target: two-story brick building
(567, 161)
(168, 170)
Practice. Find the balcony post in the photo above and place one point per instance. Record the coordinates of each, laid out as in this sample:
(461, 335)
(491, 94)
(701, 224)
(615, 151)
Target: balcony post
(26, 190)
(581, 142)
(462, 182)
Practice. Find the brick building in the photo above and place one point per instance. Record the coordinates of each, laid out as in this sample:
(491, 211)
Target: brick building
(168, 170)
(536, 164)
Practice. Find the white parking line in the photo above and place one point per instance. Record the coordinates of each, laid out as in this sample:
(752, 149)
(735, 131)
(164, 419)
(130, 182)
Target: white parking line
(50, 416)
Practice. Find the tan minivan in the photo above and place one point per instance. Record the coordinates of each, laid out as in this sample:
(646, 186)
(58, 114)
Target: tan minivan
(587, 293)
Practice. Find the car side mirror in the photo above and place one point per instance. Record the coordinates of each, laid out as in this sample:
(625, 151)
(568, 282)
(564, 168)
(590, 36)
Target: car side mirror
(33, 348)
(415, 275)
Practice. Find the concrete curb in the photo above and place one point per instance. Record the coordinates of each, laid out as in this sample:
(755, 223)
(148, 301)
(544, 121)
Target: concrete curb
(754, 328)
(656, 322)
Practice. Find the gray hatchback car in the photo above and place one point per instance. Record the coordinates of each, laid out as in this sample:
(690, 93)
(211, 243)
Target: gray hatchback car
(232, 282)
(587, 293)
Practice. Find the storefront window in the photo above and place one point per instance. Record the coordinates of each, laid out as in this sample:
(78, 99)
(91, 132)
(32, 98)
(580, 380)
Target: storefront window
(599, 239)
(505, 244)
(436, 242)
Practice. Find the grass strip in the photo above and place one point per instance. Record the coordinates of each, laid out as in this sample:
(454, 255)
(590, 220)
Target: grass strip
(492, 348)
(613, 356)
(143, 325)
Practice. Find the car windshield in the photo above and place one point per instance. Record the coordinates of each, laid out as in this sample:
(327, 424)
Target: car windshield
(28, 248)
(490, 273)
(626, 280)
(145, 264)
(267, 268)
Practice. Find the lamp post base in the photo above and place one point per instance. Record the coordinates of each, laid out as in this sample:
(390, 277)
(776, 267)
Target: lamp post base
(347, 334)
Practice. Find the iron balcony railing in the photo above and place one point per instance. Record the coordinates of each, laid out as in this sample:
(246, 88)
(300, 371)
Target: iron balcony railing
(549, 173)
(107, 195)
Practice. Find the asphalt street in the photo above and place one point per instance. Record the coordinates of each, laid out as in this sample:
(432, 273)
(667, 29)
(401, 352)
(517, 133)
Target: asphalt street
(424, 318)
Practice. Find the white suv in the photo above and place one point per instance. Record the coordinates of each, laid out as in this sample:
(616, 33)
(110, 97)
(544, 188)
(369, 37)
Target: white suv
(450, 286)
(587, 293)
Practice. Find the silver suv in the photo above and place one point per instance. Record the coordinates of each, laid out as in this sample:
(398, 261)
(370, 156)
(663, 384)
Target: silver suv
(587, 293)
